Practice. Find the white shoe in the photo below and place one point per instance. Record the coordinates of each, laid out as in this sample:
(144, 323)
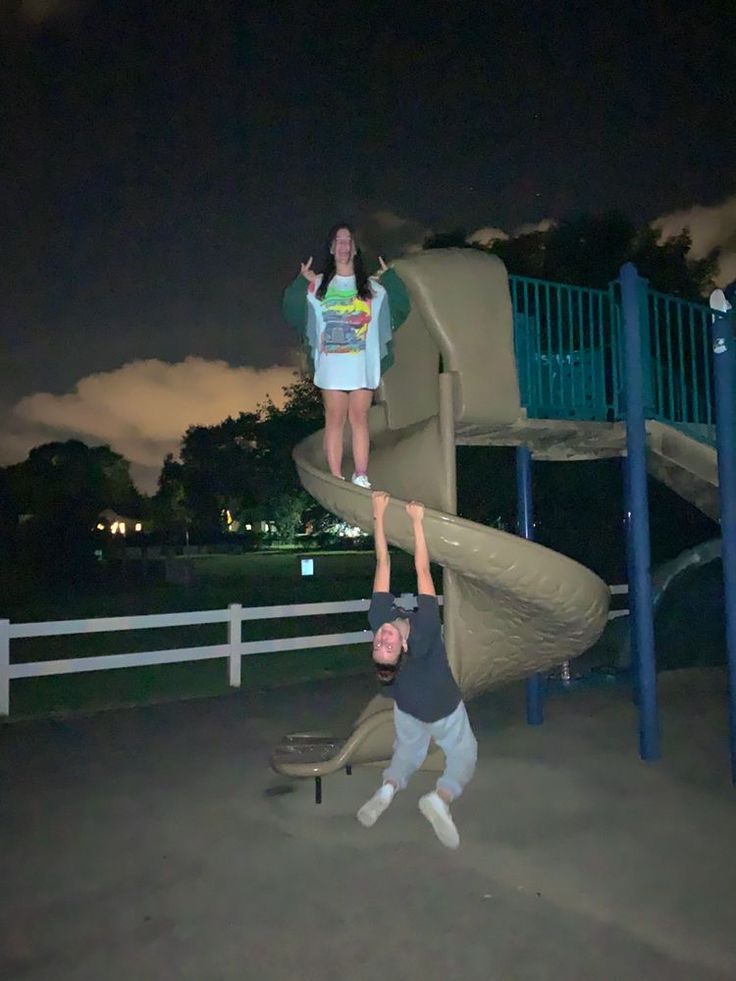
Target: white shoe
(360, 480)
(719, 302)
(374, 808)
(438, 814)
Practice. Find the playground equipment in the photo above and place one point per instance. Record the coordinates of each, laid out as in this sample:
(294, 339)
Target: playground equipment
(512, 608)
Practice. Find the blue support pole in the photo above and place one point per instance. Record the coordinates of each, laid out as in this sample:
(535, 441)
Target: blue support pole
(641, 617)
(525, 528)
(630, 576)
(724, 373)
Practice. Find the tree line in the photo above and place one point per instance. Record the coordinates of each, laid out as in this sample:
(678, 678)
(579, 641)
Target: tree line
(236, 472)
(589, 250)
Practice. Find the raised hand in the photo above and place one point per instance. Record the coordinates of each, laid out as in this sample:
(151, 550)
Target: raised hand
(306, 270)
(382, 270)
(380, 502)
(415, 510)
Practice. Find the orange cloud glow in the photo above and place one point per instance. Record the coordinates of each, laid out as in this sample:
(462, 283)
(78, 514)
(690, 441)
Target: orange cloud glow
(142, 408)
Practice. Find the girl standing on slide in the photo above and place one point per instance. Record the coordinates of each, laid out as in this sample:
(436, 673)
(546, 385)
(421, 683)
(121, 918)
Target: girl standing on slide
(347, 320)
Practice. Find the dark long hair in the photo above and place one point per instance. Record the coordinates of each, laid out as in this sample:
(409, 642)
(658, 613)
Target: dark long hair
(362, 282)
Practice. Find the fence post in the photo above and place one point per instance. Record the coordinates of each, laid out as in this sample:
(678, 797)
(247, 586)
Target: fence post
(234, 640)
(4, 667)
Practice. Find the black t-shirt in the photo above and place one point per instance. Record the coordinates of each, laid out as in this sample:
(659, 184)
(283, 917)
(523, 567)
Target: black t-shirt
(424, 686)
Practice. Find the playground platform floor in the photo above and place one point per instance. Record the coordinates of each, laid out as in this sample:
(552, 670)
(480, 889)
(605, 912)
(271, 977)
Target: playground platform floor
(155, 843)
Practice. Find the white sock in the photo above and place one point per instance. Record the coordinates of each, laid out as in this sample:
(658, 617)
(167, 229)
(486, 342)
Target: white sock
(387, 792)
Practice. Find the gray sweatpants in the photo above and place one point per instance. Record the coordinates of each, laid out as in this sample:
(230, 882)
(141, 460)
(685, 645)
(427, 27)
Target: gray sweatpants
(452, 734)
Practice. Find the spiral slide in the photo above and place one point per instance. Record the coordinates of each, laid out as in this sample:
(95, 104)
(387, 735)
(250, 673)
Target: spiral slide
(511, 607)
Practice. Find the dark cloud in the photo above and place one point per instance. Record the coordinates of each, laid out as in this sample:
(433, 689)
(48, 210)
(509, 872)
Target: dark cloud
(390, 234)
(38, 13)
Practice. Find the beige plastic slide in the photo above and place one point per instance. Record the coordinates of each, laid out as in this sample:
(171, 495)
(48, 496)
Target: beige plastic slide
(686, 465)
(511, 607)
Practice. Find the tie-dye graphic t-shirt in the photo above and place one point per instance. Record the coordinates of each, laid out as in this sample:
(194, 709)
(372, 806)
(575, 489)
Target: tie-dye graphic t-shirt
(347, 356)
(346, 317)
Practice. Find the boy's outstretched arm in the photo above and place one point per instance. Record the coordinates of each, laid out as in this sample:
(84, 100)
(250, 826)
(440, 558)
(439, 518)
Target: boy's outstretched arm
(425, 586)
(382, 578)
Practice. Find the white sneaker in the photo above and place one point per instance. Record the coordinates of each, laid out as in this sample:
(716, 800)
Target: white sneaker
(374, 808)
(719, 302)
(438, 814)
(360, 480)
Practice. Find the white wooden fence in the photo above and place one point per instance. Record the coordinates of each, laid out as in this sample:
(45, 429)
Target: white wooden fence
(233, 650)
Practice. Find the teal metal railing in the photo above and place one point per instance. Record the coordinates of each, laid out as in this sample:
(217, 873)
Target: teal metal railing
(569, 354)
(565, 350)
(681, 364)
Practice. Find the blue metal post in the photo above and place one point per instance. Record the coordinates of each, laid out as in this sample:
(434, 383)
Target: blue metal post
(724, 373)
(630, 576)
(637, 506)
(525, 528)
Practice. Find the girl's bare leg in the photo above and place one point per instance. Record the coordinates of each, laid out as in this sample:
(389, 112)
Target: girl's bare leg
(336, 412)
(359, 402)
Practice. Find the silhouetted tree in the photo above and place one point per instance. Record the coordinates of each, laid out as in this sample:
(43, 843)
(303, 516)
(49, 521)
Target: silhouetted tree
(171, 512)
(245, 463)
(59, 492)
(589, 250)
(457, 238)
(219, 471)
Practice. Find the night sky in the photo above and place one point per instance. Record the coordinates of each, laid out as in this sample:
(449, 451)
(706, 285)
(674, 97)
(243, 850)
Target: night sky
(167, 166)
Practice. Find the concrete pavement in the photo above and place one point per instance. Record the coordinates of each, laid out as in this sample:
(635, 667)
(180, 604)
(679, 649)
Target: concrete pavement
(155, 843)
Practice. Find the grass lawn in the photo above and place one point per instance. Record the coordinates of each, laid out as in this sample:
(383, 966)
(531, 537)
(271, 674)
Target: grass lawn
(254, 579)
(97, 690)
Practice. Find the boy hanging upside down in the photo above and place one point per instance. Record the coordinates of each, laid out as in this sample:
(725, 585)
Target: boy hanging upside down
(410, 659)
